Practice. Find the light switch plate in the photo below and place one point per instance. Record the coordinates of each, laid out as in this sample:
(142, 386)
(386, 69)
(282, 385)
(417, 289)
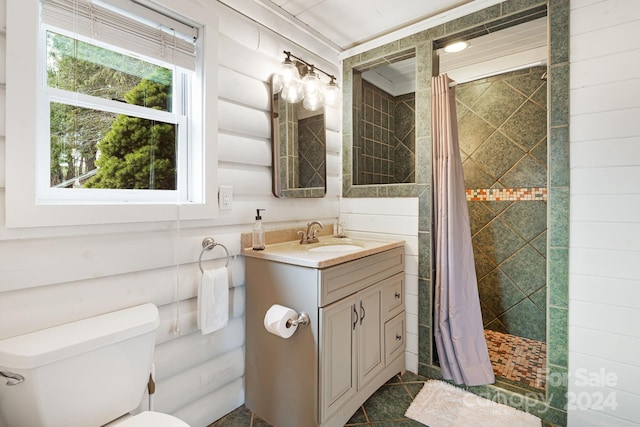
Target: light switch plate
(225, 197)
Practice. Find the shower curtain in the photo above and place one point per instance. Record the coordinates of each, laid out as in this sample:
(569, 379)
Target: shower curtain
(458, 330)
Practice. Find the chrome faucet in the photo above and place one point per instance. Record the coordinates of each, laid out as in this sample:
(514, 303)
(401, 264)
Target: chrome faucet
(311, 235)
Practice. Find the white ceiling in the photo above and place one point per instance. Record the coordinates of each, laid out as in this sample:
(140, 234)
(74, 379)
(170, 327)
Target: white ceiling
(348, 26)
(348, 23)
(519, 46)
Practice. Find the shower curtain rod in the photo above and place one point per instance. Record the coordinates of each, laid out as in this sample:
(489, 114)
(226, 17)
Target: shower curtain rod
(484, 76)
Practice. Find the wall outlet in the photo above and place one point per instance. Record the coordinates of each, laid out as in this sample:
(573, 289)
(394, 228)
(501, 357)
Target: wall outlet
(225, 197)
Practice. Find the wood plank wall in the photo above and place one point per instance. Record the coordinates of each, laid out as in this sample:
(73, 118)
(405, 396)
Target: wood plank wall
(604, 290)
(55, 275)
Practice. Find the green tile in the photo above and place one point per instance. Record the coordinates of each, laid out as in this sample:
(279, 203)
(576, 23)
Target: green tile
(497, 326)
(557, 386)
(479, 216)
(424, 344)
(540, 243)
(467, 94)
(358, 418)
(559, 277)
(482, 264)
(529, 83)
(498, 241)
(559, 33)
(557, 352)
(475, 176)
(498, 154)
(527, 126)
(410, 377)
(424, 212)
(539, 298)
(558, 216)
(527, 269)
(526, 320)
(512, 6)
(540, 151)
(499, 102)
(473, 19)
(528, 218)
(526, 173)
(424, 299)
(559, 101)
(424, 250)
(498, 206)
(238, 417)
(388, 403)
(488, 316)
(498, 292)
(559, 157)
(473, 131)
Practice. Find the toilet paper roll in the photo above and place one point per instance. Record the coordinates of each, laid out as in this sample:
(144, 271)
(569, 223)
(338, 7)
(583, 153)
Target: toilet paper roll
(276, 318)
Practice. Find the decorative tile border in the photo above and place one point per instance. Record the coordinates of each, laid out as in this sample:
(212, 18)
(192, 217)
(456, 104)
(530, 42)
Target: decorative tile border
(510, 194)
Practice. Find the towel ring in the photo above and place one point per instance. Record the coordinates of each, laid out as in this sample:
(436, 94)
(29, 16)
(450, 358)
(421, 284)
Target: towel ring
(207, 244)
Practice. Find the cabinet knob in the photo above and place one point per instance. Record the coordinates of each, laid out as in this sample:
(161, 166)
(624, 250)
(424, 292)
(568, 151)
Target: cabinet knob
(397, 295)
(398, 337)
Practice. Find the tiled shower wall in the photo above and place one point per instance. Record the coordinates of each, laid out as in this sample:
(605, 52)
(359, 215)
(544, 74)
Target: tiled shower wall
(311, 152)
(302, 149)
(502, 132)
(384, 152)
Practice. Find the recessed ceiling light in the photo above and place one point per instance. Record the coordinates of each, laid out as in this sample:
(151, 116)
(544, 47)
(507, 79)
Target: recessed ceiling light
(456, 47)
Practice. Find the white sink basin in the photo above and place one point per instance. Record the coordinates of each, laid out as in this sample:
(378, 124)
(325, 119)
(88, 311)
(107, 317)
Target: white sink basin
(335, 248)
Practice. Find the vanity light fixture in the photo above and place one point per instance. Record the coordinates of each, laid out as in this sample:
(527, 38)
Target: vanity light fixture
(309, 89)
(458, 46)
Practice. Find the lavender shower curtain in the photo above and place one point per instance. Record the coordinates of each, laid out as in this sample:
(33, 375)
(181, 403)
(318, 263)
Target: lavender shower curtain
(458, 330)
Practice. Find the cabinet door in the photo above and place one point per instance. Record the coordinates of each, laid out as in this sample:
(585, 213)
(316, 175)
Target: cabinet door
(338, 380)
(370, 334)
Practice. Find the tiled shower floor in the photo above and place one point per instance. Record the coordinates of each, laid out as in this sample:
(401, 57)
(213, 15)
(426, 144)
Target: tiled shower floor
(521, 360)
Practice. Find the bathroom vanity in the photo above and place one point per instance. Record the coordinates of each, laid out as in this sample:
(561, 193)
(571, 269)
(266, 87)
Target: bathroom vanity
(353, 293)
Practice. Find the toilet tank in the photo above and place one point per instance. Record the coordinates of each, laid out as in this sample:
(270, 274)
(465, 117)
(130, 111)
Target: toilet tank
(84, 373)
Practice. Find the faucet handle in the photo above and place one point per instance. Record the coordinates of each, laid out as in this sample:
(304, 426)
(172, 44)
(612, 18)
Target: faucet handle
(302, 236)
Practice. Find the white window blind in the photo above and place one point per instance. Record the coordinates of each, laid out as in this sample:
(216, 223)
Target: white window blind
(126, 24)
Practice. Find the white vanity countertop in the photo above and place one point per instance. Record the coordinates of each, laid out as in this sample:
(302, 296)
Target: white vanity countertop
(293, 252)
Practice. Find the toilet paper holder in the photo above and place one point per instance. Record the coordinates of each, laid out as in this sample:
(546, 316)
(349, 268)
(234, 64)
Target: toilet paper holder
(302, 320)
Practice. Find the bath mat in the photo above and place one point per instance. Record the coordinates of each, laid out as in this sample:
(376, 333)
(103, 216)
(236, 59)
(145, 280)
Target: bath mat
(440, 404)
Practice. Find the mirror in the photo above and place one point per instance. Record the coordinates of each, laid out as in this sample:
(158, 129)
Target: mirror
(299, 149)
(384, 118)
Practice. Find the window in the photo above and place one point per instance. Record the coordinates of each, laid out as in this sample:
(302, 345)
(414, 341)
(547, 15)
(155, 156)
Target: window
(120, 102)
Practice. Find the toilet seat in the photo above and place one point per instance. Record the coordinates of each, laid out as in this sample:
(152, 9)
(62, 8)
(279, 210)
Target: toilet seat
(152, 419)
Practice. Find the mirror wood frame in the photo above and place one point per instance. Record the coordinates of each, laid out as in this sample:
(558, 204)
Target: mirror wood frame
(551, 404)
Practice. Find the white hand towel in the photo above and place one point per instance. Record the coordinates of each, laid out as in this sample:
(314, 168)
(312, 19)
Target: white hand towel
(213, 300)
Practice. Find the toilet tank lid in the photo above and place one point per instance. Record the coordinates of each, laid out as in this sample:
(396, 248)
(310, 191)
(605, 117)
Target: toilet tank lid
(46, 346)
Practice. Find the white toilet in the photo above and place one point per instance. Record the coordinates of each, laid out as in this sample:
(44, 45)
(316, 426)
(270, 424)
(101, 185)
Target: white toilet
(85, 373)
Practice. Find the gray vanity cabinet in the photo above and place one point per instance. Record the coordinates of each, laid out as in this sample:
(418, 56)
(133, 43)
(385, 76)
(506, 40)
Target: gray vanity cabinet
(354, 344)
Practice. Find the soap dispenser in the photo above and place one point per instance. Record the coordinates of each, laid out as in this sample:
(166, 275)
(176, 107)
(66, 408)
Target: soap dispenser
(257, 237)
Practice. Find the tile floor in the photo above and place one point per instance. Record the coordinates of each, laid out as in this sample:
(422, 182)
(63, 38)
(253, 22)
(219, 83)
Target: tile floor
(385, 408)
(517, 359)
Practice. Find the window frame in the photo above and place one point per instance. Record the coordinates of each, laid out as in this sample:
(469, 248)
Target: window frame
(47, 194)
(25, 95)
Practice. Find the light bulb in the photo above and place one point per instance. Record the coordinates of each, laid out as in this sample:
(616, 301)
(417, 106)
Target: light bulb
(313, 101)
(332, 94)
(292, 93)
(276, 83)
(311, 83)
(289, 73)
